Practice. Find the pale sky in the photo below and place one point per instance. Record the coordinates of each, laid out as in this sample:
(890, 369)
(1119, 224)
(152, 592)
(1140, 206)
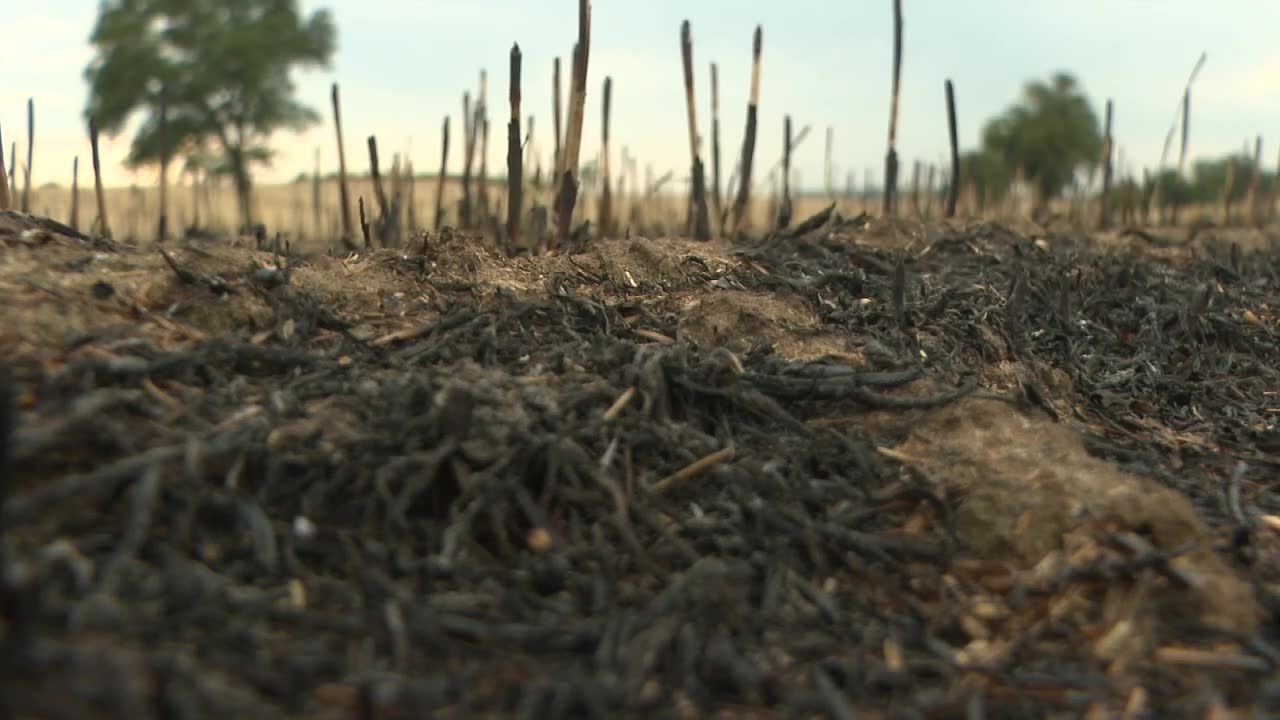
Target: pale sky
(403, 65)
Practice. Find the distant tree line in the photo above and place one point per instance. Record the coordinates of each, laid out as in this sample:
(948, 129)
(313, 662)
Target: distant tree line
(1052, 138)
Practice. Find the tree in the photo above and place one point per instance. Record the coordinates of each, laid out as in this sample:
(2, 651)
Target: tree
(987, 173)
(1210, 179)
(222, 68)
(1050, 134)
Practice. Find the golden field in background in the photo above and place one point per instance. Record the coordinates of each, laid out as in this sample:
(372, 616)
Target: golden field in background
(133, 212)
(289, 208)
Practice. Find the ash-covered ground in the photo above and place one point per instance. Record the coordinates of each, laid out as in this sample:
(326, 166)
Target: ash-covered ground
(893, 470)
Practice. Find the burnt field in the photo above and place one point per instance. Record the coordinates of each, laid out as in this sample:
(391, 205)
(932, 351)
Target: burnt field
(865, 469)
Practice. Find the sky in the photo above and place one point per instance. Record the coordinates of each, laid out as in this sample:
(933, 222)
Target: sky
(404, 64)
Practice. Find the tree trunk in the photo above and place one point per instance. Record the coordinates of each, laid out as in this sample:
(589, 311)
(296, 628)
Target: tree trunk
(244, 189)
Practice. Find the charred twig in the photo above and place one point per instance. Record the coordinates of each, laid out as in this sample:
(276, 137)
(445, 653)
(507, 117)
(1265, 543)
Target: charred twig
(142, 505)
(791, 389)
(85, 411)
(213, 282)
(692, 470)
(900, 294)
(813, 222)
(105, 479)
(1234, 497)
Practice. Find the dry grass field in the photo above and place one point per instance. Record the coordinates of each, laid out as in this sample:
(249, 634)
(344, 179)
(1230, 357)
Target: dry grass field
(288, 208)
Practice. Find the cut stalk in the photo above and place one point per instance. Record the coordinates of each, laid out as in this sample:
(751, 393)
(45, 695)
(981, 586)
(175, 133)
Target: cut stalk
(344, 198)
(482, 187)
(915, 189)
(953, 187)
(1184, 112)
(928, 193)
(515, 159)
(103, 228)
(444, 166)
(743, 202)
(698, 188)
(316, 198)
(384, 209)
(162, 224)
(31, 144)
(1275, 195)
(567, 196)
(5, 200)
(74, 220)
(891, 157)
(528, 146)
(364, 223)
(828, 172)
(1255, 185)
(717, 202)
(1228, 190)
(411, 196)
(784, 206)
(468, 156)
(1104, 219)
(555, 118)
(606, 192)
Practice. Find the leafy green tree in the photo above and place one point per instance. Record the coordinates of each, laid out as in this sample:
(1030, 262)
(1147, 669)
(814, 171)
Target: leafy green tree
(1209, 179)
(1208, 182)
(1176, 189)
(988, 174)
(219, 68)
(1050, 134)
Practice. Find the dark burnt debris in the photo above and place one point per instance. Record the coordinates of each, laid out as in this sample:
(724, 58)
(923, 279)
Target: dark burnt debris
(528, 507)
